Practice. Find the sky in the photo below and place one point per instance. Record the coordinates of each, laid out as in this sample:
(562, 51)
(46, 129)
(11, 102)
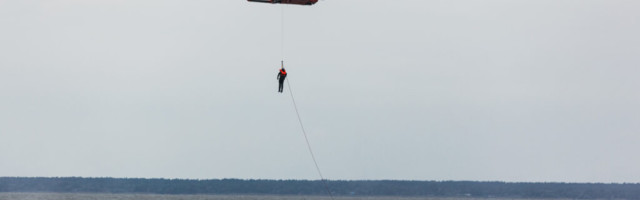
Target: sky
(492, 90)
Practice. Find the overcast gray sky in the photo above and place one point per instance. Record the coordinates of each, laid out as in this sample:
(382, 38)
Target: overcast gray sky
(508, 90)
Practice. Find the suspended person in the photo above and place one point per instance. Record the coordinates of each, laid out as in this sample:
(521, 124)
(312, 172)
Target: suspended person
(281, 76)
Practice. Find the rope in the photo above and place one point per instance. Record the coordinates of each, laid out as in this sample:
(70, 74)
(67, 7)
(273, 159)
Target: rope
(282, 31)
(304, 132)
(324, 182)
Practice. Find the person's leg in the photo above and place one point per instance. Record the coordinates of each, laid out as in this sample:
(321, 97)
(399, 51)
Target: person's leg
(281, 85)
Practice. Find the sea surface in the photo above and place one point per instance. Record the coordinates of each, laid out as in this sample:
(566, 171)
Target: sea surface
(75, 196)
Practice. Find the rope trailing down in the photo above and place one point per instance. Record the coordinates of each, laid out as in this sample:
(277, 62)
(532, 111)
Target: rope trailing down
(304, 132)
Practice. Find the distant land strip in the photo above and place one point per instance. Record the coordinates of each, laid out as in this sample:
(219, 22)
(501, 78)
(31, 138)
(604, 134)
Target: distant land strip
(315, 187)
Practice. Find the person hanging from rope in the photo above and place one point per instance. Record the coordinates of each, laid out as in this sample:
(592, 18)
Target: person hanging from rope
(281, 76)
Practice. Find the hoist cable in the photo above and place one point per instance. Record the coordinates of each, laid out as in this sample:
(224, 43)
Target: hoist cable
(304, 132)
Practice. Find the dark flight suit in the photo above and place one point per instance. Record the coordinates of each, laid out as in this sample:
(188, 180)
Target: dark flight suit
(281, 76)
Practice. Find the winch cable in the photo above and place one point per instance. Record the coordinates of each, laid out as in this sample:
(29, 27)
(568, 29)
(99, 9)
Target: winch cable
(295, 106)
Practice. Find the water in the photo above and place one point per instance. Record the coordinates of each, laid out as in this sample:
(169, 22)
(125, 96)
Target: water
(70, 196)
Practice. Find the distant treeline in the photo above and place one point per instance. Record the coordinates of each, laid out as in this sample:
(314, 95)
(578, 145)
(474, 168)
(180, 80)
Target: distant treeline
(306, 187)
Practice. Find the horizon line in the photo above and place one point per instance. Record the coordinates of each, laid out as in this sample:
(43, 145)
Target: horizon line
(331, 180)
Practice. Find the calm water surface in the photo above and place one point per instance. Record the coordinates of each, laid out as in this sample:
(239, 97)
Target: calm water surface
(67, 196)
